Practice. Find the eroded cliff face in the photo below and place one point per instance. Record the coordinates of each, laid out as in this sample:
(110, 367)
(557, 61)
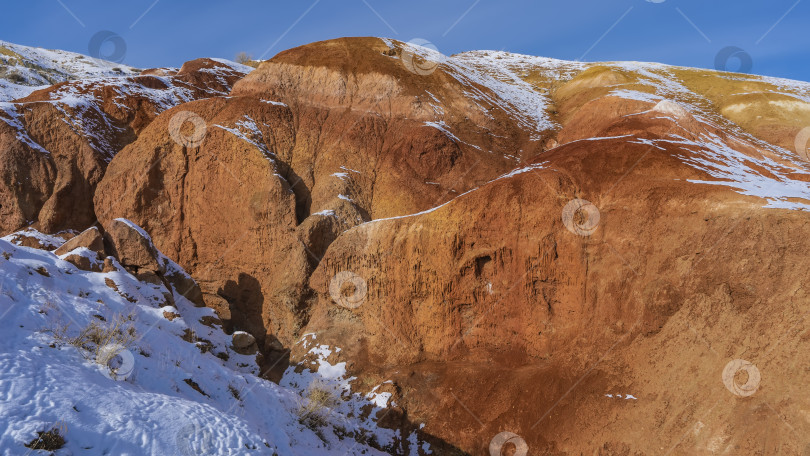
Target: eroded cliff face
(507, 319)
(56, 142)
(566, 251)
(296, 156)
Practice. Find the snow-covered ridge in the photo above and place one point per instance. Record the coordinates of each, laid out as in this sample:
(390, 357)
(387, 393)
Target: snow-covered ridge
(503, 74)
(82, 103)
(24, 69)
(492, 78)
(506, 77)
(81, 107)
(777, 185)
(234, 65)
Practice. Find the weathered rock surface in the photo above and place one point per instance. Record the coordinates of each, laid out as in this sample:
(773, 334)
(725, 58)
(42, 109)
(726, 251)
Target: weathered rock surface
(511, 319)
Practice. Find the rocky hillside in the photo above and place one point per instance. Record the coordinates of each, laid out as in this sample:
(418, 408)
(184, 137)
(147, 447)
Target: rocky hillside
(103, 354)
(600, 258)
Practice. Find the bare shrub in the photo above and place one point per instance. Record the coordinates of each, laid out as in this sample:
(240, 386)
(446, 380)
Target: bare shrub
(100, 341)
(246, 59)
(315, 404)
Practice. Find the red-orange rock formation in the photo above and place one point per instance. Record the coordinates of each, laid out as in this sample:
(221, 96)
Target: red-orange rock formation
(297, 155)
(566, 251)
(55, 143)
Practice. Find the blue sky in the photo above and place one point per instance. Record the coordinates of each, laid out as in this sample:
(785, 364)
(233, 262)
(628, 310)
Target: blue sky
(773, 33)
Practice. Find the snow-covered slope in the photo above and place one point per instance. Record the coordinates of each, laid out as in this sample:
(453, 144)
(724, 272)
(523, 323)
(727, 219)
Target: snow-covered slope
(505, 74)
(724, 104)
(179, 388)
(24, 69)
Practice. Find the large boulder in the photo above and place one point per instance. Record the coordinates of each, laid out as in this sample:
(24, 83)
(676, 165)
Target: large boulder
(90, 239)
(85, 251)
(133, 247)
(244, 343)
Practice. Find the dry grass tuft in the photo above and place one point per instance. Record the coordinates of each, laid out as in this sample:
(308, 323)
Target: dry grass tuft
(50, 440)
